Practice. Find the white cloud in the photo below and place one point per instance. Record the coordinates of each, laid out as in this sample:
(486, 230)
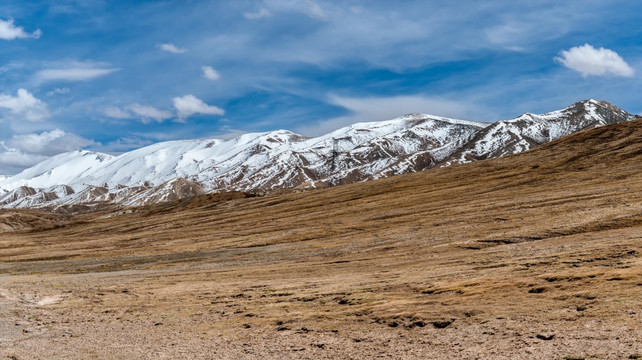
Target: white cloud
(124, 144)
(8, 31)
(146, 113)
(210, 74)
(306, 7)
(588, 60)
(116, 113)
(19, 160)
(59, 91)
(189, 105)
(25, 106)
(261, 13)
(47, 143)
(75, 71)
(169, 47)
(385, 108)
(22, 151)
(315, 11)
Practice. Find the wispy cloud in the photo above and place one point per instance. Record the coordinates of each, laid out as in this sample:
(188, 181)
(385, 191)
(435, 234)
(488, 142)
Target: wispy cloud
(116, 113)
(588, 60)
(59, 91)
(385, 108)
(75, 71)
(24, 106)
(189, 105)
(147, 113)
(123, 144)
(210, 74)
(9, 31)
(169, 47)
(261, 13)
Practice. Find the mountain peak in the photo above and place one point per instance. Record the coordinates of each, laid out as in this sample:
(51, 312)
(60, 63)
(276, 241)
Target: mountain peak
(281, 159)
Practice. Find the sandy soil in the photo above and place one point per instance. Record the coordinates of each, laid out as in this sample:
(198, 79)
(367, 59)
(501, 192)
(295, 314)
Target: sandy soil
(529, 256)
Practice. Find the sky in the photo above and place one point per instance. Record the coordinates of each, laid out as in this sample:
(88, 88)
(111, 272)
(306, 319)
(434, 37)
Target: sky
(113, 76)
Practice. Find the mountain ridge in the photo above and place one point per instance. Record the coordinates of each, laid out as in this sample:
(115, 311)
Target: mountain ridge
(281, 159)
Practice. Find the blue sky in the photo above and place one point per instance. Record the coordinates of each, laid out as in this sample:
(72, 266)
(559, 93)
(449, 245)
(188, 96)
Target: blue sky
(113, 76)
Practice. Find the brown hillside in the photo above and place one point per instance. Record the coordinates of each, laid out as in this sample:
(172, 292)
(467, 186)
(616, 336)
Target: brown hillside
(535, 255)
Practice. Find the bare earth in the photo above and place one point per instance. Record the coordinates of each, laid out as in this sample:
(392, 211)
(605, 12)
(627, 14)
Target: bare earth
(536, 255)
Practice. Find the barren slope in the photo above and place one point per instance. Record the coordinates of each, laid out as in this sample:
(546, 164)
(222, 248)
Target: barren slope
(535, 255)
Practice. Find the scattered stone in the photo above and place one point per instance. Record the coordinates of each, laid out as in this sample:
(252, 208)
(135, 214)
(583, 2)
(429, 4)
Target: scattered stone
(442, 324)
(545, 337)
(419, 323)
(537, 290)
(247, 326)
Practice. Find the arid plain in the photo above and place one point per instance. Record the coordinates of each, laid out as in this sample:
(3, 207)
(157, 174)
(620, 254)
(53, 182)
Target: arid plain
(535, 255)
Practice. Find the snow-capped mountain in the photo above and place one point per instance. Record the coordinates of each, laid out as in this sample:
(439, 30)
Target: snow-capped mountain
(281, 159)
(529, 130)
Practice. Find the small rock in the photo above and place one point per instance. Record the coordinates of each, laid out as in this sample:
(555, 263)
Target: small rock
(442, 324)
(545, 337)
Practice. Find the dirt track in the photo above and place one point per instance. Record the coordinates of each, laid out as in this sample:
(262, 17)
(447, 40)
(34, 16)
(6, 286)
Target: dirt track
(529, 256)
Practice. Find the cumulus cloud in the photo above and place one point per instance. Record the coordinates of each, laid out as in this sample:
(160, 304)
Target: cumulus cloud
(261, 13)
(210, 74)
(169, 47)
(9, 31)
(147, 113)
(25, 150)
(189, 105)
(47, 143)
(24, 106)
(14, 161)
(75, 71)
(588, 60)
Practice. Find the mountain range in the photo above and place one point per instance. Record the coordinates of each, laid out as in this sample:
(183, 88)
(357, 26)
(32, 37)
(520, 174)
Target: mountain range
(260, 162)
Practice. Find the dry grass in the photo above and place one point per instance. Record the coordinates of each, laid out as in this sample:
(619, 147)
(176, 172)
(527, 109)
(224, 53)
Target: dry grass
(485, 260)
